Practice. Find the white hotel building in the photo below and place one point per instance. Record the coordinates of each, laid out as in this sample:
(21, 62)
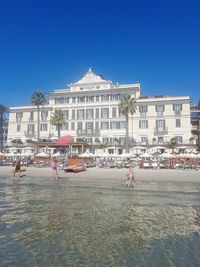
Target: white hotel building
(91, 110)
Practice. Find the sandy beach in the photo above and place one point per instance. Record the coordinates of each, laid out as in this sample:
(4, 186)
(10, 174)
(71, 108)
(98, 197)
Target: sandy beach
(112, 177)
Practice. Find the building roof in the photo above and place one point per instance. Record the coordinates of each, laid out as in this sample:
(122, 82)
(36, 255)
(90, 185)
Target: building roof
(90, 77)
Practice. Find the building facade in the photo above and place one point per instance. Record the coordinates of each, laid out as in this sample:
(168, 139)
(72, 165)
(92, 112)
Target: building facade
(90, 106)
(195, 121)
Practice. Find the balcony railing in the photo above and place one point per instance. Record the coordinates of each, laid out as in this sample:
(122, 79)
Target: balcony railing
(177, 112)
(160, 113)
(29, 133)
(88, 133)
(160, 131)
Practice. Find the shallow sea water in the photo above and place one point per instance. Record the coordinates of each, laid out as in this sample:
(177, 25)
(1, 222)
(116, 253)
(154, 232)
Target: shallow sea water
(47, 223)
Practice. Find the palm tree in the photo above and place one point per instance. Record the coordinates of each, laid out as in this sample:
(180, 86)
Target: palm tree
(58, 119)
(38, 99)
(103, 146)
(3, 110)
(172, 144)
(127, 105)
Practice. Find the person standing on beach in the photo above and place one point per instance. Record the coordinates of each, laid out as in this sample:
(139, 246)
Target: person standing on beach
(132, 176)
(17, 168)
(54, 168)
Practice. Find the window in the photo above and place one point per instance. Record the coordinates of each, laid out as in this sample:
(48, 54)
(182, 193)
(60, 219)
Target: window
(143, 124)
(105, 140)
(66, 114)
(105, 113)
(89, 127)
(122, 125)
(19, 116)
(73, 126)
(97, 98)
(30, 128)
(81, 99)
(179, 139)
(144, 140)
(114, 112)
(89, 141)
(80, 126)
(113, 125)
(89, 113)
(90, 98)
(73, 99)
(73, 114)
(80, 114)
(122, 140)
(97, 113)
(44, 115)
(18, 127)
(31, 116)
(104, 125)
(43, 127)
(178, 123)
(105, 98)
(160, 108)
(114, 97)
(160, 140)
(97, 125)
(177, 107)
(143, 109)
(66, 100)
(65, 126)
(160, 125)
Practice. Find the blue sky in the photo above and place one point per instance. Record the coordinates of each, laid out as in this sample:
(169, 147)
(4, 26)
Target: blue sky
(49, 44)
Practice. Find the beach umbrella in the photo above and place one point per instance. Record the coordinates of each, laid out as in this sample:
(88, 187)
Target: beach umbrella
(11, 154)
(84, 155)
(42, 155)
(166, 155)
(158, 147)
(104, 155)
(56, 155)
(145, 155)
(28, 154)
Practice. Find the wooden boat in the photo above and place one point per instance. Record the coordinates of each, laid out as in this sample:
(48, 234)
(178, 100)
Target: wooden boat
(75, 168)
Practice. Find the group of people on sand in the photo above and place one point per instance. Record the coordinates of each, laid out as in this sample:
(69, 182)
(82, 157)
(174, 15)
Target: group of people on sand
(130, 177)
(54, 168)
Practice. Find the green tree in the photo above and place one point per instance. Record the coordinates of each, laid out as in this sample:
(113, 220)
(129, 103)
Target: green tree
(172, 144)
(3, 111)
(38, 99)
(58, 119)
(127, 106)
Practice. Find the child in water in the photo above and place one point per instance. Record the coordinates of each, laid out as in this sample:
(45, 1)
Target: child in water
(54, 168)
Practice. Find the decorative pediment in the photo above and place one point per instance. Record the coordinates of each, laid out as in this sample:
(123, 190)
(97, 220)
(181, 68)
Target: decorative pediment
(91, 77)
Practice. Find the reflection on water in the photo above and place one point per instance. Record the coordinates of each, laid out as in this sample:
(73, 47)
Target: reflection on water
(58, 224)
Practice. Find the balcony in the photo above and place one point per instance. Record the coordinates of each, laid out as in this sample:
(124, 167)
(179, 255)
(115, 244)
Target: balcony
(88, 133)
(177, 112)
(143, 114)
(160, 114)
(160, 131)
(30, 134)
